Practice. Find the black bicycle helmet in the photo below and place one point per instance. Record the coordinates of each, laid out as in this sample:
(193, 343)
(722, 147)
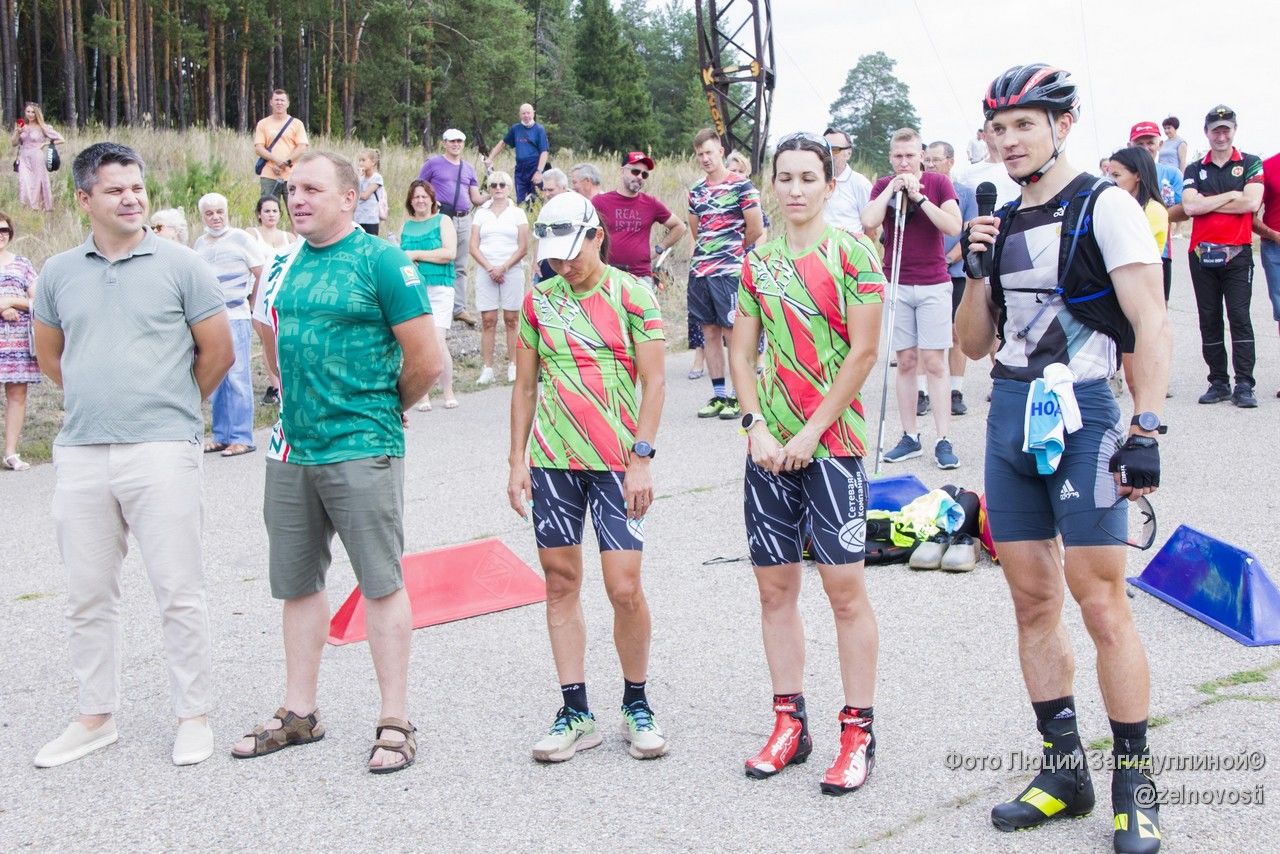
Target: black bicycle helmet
(1035, 85)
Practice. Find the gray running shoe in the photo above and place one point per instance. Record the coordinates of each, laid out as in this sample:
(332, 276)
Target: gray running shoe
(908, 448)
(922, 404)
(945, 457)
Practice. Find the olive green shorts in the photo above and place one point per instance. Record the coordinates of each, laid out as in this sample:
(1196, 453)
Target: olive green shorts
(360, 500)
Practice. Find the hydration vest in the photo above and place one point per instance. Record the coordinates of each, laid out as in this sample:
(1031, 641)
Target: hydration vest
(1084, 285)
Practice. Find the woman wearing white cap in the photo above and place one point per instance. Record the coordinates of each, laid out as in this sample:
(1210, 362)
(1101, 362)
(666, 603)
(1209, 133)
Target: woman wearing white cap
(590, 331)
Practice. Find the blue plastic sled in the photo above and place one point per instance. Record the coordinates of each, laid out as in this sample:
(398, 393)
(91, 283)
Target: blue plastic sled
(1218, 584)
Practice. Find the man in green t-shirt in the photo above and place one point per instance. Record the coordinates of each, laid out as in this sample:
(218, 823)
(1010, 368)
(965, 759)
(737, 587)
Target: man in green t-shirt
(346, 325)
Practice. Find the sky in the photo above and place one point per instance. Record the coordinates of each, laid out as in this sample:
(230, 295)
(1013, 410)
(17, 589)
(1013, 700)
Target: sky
(1133, 61)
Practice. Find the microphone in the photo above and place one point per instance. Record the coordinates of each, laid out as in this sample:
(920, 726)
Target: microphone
(978, 264)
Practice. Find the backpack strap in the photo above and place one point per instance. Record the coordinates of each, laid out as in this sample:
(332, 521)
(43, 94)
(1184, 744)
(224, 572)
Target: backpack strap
(1081, 204)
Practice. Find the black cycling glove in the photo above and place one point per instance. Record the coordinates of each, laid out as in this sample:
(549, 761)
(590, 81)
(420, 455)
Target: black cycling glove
(1138, 462)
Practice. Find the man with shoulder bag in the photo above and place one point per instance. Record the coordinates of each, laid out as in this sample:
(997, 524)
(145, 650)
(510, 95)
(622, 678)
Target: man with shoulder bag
(458, 191)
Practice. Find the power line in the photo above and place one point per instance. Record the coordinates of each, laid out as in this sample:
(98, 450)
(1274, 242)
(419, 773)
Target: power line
(1088, 67)
(938, 56)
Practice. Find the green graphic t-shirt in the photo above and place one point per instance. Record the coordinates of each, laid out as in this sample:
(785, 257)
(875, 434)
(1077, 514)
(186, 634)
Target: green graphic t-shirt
(586, 345)
(804, 301)
(332, 310)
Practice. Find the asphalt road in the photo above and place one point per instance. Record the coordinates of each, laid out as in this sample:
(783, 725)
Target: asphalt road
(484, 689)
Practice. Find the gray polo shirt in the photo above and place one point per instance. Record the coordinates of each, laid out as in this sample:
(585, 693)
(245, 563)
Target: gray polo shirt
(128, 356)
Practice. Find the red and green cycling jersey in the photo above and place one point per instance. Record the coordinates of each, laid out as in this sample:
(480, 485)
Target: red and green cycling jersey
(588, 408)
(721, 210)
(804, 301)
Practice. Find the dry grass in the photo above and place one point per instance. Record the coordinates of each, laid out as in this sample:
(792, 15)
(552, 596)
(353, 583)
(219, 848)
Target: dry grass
(183, 166)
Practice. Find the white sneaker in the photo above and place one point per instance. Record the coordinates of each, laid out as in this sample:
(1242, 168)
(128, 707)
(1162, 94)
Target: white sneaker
(486, 375)
(572, 731)
(193, 744)
(511, 372)
(642, 732)
(76, 742)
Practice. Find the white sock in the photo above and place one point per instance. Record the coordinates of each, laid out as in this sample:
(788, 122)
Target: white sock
(957, 383)
(922, 383)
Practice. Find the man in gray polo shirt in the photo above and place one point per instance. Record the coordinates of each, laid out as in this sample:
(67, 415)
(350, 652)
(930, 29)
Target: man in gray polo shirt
(135, 331)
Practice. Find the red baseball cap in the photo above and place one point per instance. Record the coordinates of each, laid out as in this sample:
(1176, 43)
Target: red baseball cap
(633, 157)
(1142, 129)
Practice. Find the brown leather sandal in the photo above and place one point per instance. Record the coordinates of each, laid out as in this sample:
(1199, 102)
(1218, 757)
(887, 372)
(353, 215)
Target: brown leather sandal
(294, 730)
(407, 748)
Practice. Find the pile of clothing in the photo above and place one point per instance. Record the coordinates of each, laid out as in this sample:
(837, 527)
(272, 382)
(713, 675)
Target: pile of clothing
(938, 530)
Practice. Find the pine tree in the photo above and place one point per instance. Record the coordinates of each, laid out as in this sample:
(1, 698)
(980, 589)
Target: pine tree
(612, 81)
(872, 104)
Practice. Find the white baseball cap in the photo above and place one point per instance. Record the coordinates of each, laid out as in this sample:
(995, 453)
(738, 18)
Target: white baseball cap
(562, 226)
(453, 133)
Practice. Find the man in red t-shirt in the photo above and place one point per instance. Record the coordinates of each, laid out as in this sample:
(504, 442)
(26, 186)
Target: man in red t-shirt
(1266, 223)
(922, 318)
(1221, 193)
(628, 216)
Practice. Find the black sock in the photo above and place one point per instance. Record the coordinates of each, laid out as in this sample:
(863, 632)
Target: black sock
(632, 692)
(1129, 740)
(1056, 720)
(575, 696)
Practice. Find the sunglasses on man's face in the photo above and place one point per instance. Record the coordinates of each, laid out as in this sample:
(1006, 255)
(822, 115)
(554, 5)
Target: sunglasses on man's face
(639, 173)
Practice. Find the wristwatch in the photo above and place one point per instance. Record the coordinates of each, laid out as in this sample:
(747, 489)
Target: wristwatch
(643, 449)
(750, 420)
(1150, 422)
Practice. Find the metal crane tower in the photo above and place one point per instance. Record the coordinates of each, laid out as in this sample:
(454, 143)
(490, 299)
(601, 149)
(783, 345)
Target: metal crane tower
(735, 52)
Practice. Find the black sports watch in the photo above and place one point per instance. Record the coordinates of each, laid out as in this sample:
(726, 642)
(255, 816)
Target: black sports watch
(1150, 422)
(643, 449)
(751, 419)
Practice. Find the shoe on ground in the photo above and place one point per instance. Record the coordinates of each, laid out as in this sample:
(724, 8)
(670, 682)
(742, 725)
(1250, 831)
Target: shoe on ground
(16, 463)
(486, 376)
(908, 448)
(854, 760)
(928, 555)
(788, 744)
(945, 456)
(76, 742)
(511, 372)
(713, 407)
(193, 744)
(730, 411)
(1243, 396)
(271, 397)
(1216, 394)
(1061, 792)
(642, 732)
(696, 374)
(957, 403)
(961, 555)
(572, 731)
(467, 318)
(922, 404)
(1137, 826)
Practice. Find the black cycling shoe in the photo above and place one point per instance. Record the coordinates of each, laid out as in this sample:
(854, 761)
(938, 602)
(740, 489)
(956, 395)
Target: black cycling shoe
(1243, 396)
(1134, 802)
(1216, 394)
(922, 404)
(1063, 790)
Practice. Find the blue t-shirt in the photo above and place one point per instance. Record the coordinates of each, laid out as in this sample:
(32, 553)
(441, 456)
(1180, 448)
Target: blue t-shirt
(968, 210)
(527, 142)
(1170, 180)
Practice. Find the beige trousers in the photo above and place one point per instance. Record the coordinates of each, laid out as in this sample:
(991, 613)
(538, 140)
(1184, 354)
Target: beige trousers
(152, 490)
